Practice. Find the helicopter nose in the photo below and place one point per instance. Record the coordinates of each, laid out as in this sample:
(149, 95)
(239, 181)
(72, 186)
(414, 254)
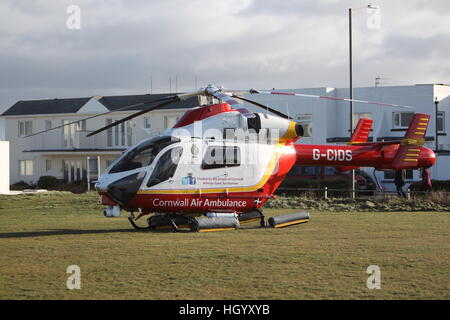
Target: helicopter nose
(124, 190)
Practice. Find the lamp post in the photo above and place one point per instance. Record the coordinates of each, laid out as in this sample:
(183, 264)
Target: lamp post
(350, 47)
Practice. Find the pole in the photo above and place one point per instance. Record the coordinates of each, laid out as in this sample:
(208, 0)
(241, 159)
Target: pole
(351, 88)
(98, 167)
(88, 169)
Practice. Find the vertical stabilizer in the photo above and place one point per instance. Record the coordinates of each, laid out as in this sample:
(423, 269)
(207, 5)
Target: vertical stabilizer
(409, 151)
(362, 131)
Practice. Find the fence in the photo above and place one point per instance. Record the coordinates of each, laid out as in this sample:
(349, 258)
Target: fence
(363, 194)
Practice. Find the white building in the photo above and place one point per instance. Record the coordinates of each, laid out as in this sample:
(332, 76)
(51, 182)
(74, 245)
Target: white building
(328, 121)
(66, 153)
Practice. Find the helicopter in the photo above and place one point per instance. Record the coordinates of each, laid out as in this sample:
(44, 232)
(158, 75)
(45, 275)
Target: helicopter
(224, 162)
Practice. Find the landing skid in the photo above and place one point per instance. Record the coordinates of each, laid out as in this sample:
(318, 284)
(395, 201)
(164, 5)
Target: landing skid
(132, 220)
(161, 222)
(175, 222)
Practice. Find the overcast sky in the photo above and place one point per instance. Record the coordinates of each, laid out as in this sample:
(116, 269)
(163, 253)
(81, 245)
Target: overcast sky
(234, 43)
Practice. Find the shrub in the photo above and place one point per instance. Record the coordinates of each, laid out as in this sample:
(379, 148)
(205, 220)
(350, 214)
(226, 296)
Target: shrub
(49, 182)
(21, 185)
(298, 184)
(437, 185)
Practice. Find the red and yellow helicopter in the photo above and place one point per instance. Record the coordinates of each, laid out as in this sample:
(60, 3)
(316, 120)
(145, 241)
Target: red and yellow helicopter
(225, 162)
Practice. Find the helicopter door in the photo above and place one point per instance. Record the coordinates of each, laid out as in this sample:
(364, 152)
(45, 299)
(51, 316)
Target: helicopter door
(166, 166)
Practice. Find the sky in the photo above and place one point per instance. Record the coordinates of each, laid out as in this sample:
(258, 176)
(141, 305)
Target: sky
(141, 46)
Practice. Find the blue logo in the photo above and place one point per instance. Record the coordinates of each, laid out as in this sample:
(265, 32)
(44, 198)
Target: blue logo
(189, 180)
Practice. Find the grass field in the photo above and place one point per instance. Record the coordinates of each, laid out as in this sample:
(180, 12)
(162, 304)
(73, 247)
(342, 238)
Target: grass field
(41, 235)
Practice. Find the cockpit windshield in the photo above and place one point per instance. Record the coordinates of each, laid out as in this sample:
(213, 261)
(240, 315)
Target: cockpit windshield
(143, 154)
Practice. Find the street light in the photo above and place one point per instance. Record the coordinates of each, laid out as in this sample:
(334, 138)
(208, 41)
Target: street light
(350, 10)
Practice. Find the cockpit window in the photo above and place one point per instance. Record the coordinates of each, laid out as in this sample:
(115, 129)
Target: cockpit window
(166, 166)
(143, 154)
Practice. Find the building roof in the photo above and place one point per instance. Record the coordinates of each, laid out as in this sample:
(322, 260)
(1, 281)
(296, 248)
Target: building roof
(73, 105)
(116, 102)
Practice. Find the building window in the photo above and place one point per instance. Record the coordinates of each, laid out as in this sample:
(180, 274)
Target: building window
(329, 171)
(48, 165)
(69, 133)
(401, 120)
(26, 167)
(359, 116)
(119, 135)
(311, 171)
(25, 128)
(74, 170)
(390, 174)
(147, 124)
(306, 122)
(170, 121)
(441, 121)
(82, 125)
(48, 124)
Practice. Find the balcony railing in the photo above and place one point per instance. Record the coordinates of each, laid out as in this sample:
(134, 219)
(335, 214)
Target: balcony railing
(56, 141)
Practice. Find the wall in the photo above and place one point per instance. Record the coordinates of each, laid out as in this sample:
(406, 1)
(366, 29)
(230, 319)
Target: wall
(4, 167)
(2, 129)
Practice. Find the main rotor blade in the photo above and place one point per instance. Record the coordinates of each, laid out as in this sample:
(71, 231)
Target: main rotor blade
(104, 113)
(278, 113)
(134, 115)
(253, 91)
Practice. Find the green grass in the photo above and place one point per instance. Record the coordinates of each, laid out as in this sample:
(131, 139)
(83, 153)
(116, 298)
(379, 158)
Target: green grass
(327, 258)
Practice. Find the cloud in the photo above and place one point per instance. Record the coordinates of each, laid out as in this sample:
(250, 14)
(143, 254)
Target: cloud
(234, 43)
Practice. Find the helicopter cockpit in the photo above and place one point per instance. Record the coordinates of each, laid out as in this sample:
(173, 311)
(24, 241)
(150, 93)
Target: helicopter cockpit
(124, 177)
(143, 154)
